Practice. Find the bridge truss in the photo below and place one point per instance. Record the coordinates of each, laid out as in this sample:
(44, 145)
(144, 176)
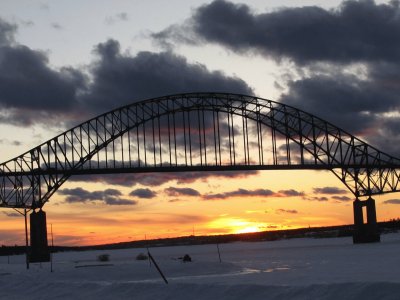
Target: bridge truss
(197, 132)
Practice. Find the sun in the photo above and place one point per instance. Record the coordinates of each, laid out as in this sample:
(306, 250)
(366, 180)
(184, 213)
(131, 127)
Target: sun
(236, 225)
(247, 229)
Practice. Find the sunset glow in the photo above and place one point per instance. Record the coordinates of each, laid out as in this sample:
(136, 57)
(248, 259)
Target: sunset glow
(63, 63)
(167, 216)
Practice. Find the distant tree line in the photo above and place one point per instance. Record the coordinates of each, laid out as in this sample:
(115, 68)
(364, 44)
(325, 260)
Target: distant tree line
(315, 232)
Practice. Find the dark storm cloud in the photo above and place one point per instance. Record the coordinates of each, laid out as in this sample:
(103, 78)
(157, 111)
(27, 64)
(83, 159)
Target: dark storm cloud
(29, 86)
(392, 201)
(31, 90)
(118, 201)
(128, 180)
(253, 193)
(346, 100)
(355, 31)
(108, 196)
(330, 190)
(173, 191)
(240, 193)
(335, 99)
(290, 193)
(143, 193)
(342, 198)
(325, 46)
(389, 135)
(357, 98)
(80, 195)
(119, 78)
(157, 179)
(321, 199)
(27, 81)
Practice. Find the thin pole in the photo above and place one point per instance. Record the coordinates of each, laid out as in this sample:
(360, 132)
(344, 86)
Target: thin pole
(174, 124)
(158, 269)
(199, 127)
(229, 138)
(215, 140)
(137, 137)
(159, 135)
(169, 142)
(26, 240)
(144, 139)
(184, 136)
(233, 140)
(219, 254)
(154, 137)
(52, 248)
(219, 138)
(190, 140)
(204, 138)
(52, 240)
(148, 251)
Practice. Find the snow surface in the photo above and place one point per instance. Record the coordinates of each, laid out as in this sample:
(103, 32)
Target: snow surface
(287, 269)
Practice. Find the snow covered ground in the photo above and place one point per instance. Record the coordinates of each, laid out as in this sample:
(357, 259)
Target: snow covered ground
(286, 269)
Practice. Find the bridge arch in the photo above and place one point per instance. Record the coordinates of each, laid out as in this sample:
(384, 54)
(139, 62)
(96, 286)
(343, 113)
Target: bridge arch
(195, 132)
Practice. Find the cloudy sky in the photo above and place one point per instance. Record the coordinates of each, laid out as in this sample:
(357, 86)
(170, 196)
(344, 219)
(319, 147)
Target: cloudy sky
(66, 61)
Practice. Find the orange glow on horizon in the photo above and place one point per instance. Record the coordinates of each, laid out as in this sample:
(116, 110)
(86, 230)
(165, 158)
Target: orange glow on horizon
(248, 229)
(94, 222)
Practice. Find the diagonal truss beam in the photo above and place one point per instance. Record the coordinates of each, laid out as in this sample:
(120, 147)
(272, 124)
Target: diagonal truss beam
(197, 132)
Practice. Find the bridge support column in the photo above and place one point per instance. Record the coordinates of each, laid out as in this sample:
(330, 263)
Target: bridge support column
(39, 247)
(365, 232)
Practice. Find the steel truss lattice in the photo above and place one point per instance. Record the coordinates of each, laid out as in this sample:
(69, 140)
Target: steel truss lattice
(197, 132)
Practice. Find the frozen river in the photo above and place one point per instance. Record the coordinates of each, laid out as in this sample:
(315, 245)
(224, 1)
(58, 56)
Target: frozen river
(286, 269)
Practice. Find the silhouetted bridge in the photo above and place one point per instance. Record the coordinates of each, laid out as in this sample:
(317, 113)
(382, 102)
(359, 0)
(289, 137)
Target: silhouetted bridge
(201, 132)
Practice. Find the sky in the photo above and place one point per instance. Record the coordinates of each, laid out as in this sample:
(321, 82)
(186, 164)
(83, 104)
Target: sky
(66, 61)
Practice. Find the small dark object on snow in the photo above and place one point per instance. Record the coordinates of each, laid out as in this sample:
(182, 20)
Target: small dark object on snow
(187, 258)
(142, 256)
(103, 257)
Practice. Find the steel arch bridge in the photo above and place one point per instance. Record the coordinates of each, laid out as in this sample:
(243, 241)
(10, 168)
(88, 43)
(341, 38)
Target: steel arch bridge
(197, 132)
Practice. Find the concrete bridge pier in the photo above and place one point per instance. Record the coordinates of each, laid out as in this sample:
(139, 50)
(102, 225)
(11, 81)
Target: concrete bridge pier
(39, 251)
(367, 232)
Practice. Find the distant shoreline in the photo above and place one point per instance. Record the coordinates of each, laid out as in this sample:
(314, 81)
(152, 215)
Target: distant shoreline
(313, 232)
